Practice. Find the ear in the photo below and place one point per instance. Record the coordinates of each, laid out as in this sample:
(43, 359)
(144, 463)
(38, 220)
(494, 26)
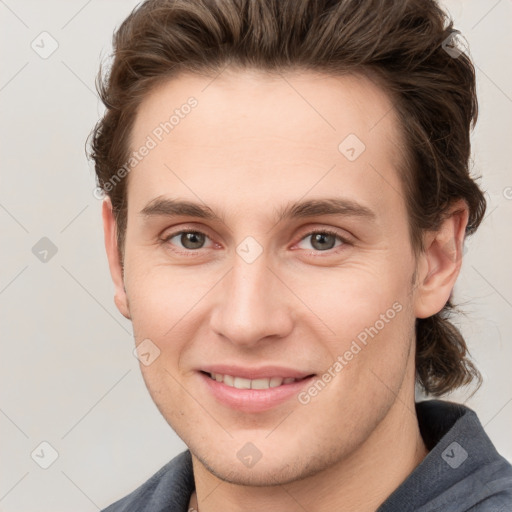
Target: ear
(439, 265)
(114, 260)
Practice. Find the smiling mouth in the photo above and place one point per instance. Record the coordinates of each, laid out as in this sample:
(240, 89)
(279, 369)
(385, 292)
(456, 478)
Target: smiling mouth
(243, 383)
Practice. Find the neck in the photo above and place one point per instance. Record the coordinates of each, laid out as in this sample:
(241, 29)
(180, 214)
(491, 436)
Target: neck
(361, 481)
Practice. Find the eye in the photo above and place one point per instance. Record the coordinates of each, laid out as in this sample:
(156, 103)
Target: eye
(192, 240)
(189, 240)
(323, 240)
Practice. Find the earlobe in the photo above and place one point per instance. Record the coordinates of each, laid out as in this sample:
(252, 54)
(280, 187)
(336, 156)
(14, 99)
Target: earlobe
(440, 263)
(114, 260)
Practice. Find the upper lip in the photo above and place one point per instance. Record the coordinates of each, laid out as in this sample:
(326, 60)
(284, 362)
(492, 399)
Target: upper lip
(256, 373)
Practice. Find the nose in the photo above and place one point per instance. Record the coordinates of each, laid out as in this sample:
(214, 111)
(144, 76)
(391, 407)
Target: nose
(252, 305)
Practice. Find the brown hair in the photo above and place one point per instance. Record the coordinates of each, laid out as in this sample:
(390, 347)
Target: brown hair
(404, 44)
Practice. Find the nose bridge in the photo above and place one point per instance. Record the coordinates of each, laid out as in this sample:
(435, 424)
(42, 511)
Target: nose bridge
(252, 304)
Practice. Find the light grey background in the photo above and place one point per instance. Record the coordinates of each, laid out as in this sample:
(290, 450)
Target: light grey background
(69, 377)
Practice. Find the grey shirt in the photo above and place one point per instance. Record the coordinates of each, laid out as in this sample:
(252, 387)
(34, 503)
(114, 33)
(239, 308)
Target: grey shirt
(462, 472)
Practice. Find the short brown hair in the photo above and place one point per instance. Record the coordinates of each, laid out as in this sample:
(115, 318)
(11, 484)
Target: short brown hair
(404, 44)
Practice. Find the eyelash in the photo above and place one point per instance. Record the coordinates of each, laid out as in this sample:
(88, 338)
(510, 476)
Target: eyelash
(344, 241)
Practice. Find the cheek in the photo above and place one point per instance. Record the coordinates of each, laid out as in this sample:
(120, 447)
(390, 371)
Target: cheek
(352, 299)
(368, 322)
(367, 370)
(166, 306)
(162, 381)
(161, 299)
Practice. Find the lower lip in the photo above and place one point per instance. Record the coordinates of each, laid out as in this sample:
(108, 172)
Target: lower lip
(253, 400)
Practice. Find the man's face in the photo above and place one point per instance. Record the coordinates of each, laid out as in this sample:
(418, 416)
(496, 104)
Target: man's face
(248, 297)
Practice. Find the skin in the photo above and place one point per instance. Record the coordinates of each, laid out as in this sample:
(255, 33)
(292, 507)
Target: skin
(253, 144)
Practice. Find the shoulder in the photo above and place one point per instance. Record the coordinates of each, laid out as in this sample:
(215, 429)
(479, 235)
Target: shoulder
(463, 472)
(169, 489)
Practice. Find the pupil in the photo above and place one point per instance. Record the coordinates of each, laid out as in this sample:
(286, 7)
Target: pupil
(192, 240)
(321, 239)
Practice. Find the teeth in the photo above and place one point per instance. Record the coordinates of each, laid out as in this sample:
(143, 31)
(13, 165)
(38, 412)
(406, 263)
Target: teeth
(259, 384)
(275, 381)
(242, 383)
(229, 381)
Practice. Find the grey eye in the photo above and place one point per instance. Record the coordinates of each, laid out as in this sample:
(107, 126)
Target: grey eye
(191, 239)
(323, 241)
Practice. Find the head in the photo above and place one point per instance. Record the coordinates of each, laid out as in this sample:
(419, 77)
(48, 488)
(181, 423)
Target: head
(233, 130)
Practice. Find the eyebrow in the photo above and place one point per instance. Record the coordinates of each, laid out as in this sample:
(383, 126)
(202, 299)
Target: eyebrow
(167, 207)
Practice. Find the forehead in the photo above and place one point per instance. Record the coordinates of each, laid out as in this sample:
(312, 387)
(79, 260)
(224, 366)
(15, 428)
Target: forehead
(267, 134)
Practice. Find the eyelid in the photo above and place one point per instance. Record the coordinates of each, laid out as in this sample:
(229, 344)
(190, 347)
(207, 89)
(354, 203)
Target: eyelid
(308, 232)
(169, 233)
(345, 240)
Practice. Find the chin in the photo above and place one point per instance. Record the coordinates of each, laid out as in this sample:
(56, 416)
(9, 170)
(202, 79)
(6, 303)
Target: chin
(265, 473)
